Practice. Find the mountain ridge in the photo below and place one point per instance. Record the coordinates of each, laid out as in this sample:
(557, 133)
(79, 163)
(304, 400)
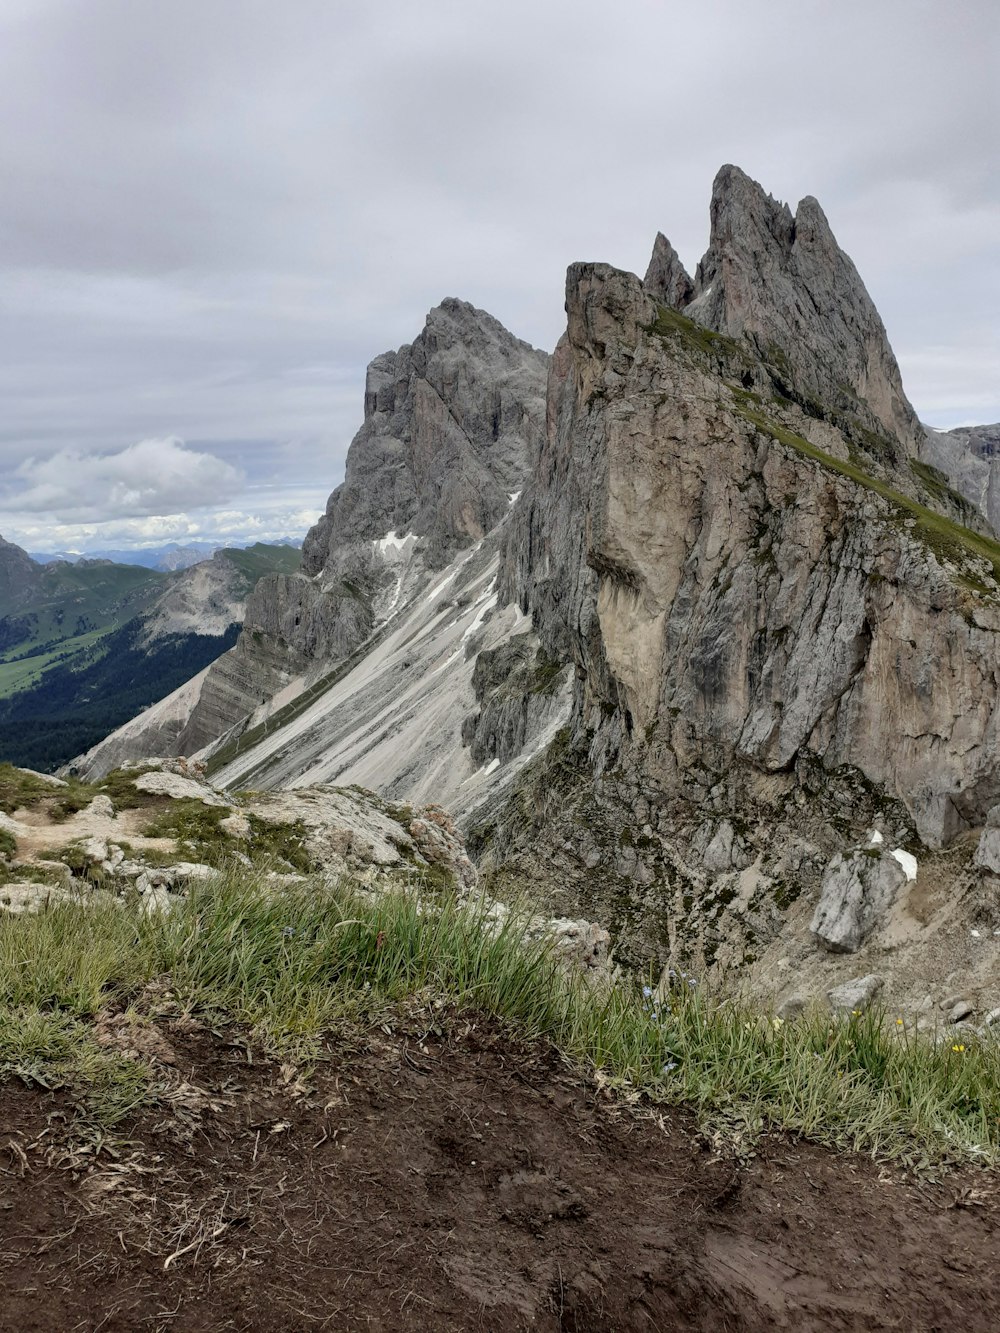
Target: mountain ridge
(690, 664)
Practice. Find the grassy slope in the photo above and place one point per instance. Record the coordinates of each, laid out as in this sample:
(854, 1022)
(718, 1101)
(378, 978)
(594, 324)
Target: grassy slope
(296, 964)
(946, 538)
(73, 606)
(257, 560)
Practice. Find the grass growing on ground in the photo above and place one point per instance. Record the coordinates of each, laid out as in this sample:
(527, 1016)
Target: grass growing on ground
(297, 964)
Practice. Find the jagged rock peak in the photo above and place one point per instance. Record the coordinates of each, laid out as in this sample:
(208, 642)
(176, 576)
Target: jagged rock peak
(784, 282)
(452, 423)
(666, 279)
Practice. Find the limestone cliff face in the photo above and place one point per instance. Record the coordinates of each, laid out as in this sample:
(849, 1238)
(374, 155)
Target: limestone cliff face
(452, 423)
(783, 283)
(732, 587)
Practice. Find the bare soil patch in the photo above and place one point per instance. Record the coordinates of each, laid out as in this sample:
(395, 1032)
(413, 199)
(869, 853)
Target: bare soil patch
(452, 1182)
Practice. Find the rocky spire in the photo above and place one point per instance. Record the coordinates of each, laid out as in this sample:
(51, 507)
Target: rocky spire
(452, 424)
(785, 282)
(666, 278)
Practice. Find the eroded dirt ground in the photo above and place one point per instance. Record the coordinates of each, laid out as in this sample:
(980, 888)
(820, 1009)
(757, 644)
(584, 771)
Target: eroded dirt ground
(448, 1183)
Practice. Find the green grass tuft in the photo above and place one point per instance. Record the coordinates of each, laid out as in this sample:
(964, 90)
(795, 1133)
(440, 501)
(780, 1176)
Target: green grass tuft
(297, 964)
(670, 323)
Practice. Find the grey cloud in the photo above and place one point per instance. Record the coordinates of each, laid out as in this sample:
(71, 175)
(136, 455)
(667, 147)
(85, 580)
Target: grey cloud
(148, 478)
(214, 215)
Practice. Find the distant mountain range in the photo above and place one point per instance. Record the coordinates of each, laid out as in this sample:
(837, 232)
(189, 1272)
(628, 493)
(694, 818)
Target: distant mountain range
(86, 645)
(173, 555)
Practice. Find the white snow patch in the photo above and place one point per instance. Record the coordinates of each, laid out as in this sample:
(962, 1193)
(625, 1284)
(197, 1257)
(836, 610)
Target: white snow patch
(485, 605)
(443, 584)
(908, 861)
(393, 542)
(513, 497)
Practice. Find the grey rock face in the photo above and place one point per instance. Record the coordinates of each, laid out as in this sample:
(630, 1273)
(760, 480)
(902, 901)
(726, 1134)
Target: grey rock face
(987, 855)
(856, 893)
(709, 617)
(721, 848)
(784, 282)
(969, 459)
(666, 279)
(517, 688)
(855, 995)
(452, 423)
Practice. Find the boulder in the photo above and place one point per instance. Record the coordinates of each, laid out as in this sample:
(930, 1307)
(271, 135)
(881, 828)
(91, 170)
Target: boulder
(94, 851)
(178, 787)
(792, 1006)
(49, 779)
(235, 825)
(987, 856)
(26, 898)
(856, 893)
(350, 831)
(856, 995)
(724, 849)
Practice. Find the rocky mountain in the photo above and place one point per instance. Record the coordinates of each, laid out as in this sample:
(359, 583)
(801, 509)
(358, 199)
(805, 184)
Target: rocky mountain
(87, 645)
(704, 647)
(452, 423)
(968, 458)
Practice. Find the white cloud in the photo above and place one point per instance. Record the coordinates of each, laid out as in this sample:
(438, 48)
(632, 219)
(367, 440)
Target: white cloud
(258, 515)
(153, 477)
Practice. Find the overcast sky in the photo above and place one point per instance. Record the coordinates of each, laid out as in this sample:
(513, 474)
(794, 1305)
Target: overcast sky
(215, 212)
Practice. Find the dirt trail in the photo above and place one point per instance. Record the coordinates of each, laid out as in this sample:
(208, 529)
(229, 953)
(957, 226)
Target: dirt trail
(454, 1184)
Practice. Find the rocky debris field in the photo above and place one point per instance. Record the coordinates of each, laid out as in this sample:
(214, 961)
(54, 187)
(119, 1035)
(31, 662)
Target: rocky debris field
(148, 832)
(436, 1174)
